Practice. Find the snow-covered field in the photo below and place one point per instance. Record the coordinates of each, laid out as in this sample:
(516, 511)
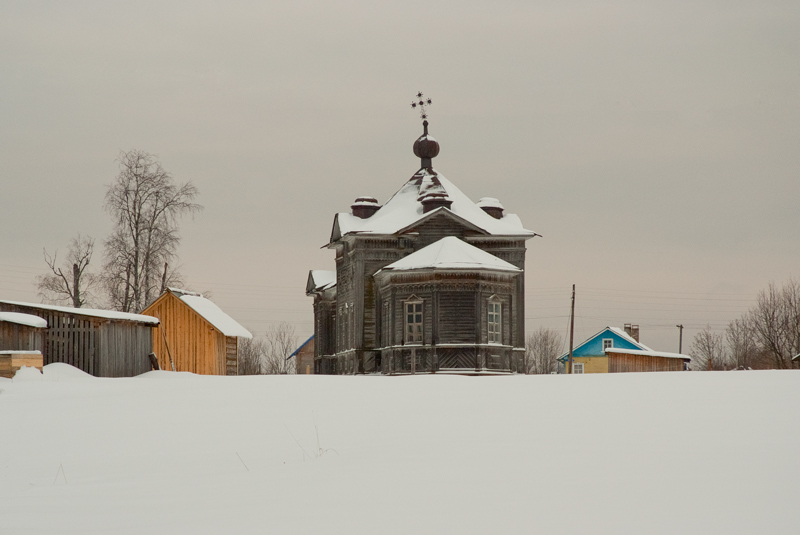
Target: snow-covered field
(177, 453)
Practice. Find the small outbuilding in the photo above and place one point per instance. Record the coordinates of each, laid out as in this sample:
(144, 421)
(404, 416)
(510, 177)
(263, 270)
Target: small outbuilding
(304, 357)
(195, 335)
(103, 343)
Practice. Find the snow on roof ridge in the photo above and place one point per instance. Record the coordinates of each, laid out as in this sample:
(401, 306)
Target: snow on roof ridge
(183, 292)
(93, 312)
(628, 337)
(450, 253)
(23, 319)
(403, 209)
(215, 316)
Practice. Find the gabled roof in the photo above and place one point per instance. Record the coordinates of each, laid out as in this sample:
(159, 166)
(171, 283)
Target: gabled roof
(404, 209)
(211, 313)
(319, 280)
(450, 253)
(617, 331)
(91, 312)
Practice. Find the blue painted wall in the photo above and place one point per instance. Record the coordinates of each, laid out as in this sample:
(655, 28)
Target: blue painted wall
(593, 347)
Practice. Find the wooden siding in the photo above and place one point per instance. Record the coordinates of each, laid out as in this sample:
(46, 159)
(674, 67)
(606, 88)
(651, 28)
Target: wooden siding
(621, 363)
(231, 355)
(14, 336)
(593, 364)
(99, 346)
(11, 362)
(194, 344)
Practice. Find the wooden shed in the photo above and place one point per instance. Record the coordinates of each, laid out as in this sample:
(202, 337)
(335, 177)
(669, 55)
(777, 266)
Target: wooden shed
(19, 332)
(304, 357)
(103, 343)
(195, 335)
(631, 360)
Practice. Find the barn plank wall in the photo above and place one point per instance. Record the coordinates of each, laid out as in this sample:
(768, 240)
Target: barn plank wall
(99, 346)
(14, 337)
(194, 344)
(620, 363)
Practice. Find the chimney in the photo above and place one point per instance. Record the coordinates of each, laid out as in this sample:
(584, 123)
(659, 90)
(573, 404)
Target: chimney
(491, 206)
(431, 201)
(364, 207)
(632, 331)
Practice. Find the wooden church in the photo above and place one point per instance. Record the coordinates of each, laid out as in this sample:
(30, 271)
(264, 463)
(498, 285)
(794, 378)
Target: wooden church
(429, 282)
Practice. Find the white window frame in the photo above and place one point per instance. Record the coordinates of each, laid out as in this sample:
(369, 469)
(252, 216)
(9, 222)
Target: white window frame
(414, 331)
(610, 343)
(577, 367)
(494, 321)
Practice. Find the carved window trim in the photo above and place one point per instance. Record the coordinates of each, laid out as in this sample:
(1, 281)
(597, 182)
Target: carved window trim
(413, 320)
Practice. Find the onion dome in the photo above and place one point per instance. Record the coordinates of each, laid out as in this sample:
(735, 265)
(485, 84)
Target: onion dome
(364, 207)
(426, 148)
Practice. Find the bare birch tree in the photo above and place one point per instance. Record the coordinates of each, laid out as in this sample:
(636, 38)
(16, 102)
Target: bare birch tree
(541, 351)
(71, 283)
(146, 205)
(742, 344)
(281, 341)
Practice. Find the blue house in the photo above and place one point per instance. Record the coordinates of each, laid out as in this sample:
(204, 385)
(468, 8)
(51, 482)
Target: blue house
(615, 350)
(590, 356)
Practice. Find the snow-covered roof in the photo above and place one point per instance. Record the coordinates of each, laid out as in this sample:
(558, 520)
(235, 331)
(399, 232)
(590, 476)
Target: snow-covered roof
(212, 313)
(319, 280)
(92, 312)
(451, 253)
(404, 209)
(23, 319)
(648, 353)
(489, 202)
(629, 338)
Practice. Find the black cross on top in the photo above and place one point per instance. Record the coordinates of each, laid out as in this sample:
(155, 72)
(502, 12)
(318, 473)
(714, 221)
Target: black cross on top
(421, 101)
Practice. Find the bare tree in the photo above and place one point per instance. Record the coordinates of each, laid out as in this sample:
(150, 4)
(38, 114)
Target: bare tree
(252, 353)
(541, 351)
(743, 346)
(73, 284)
(146, 204)
(708, 351)
(776, 322)
(281, 341)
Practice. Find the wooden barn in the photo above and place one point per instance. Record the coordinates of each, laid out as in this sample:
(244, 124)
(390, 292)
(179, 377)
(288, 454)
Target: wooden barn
(103, 343)
(195, 335)
(428, 282)
(615, 350)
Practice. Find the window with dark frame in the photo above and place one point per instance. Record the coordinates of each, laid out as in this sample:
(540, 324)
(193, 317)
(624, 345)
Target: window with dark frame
(413, 317)
(608, 343)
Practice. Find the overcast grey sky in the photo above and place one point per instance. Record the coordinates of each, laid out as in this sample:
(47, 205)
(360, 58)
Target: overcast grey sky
(654, 145)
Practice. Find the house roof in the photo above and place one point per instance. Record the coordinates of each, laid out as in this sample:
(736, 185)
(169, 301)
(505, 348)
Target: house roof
(450, 253)
(211, 313)
(91, 312)
(648, 353)
(404, 209)
(616, 330)
(23, 319)
(304, 344)
(319, 280)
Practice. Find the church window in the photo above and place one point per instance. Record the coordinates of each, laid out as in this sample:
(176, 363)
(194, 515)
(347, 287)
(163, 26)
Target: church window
(495, 322)
(413, 318)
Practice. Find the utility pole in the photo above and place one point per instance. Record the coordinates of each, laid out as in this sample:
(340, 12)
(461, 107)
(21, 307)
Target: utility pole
(680, 340)
(571, 329)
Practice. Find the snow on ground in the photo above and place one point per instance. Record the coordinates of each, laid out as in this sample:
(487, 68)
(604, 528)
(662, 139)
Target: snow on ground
(684, 452)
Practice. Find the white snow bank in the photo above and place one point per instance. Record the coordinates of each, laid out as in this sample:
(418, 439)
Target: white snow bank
(685, 452)
(165, 374)
(27, 373)
(93, 312)
(23, 319)
(61, 371)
